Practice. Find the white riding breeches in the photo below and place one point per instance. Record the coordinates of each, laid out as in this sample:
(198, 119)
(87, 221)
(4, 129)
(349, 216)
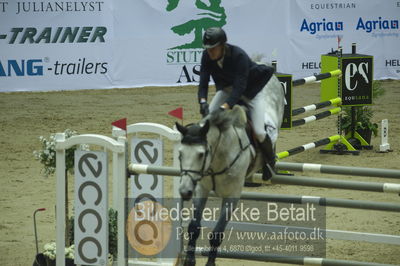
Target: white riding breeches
(266, 108)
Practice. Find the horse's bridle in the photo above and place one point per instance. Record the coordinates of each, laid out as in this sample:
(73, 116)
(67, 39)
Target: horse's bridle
(200, 172)
(210, 171)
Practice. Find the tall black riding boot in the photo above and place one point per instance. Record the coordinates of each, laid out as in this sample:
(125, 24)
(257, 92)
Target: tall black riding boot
(268, 153)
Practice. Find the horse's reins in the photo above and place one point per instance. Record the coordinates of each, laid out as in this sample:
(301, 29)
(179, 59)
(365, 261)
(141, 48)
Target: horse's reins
(210, 171)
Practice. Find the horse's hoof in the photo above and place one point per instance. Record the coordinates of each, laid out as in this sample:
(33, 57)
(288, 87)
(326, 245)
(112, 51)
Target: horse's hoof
(268, 172)
(210, 263)
(189, 262)
(251, 184)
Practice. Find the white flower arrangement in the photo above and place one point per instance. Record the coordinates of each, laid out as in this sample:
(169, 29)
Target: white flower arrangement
(50, 251)
(110, 259)
(69, 252)
(47, 156)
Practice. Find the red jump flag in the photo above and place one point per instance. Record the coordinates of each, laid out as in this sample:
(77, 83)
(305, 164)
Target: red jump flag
(178, 113)
(339, 39)
(120, 123)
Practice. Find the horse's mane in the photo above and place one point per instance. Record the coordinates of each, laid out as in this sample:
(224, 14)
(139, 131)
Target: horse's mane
(224, 119)
(194, 133)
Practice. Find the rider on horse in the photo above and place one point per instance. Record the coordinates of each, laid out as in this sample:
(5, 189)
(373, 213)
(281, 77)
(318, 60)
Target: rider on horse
(237, 79)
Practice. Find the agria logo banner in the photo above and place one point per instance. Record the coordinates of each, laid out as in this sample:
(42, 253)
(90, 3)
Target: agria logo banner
(322, 28)
(210, 13)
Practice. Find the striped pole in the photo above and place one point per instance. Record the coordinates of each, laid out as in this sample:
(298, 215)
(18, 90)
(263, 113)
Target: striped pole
(329, 202)
(336, 183)
(338, 170)
(315, 117)
(283, 179)
(266, 257)
(315, 106)
(314, 78)
(307, 146)
(329, 233)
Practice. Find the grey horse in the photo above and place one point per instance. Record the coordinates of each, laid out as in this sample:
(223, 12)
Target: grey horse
(216, 155)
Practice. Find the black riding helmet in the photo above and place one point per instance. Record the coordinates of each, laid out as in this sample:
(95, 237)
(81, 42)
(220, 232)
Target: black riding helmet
(213, 37)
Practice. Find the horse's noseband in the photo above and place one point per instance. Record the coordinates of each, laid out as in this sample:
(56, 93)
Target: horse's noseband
(201, 172)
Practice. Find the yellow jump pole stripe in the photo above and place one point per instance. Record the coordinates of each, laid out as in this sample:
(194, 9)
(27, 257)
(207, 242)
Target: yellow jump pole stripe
(307, 146)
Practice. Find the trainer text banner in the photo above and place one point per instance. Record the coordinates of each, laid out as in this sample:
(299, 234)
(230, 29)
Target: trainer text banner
(55, 45)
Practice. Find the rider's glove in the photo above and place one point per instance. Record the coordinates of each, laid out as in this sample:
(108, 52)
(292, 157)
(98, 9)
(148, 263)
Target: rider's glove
(204, 109)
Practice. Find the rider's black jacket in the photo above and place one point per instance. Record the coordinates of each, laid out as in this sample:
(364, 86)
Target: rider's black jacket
(239, 71)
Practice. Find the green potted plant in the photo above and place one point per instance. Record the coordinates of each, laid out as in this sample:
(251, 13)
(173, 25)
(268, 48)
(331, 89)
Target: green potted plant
(363, 123)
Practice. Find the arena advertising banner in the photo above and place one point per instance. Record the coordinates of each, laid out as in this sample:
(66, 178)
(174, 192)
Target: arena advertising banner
(54, 44)
(163, 39)
(318, 26)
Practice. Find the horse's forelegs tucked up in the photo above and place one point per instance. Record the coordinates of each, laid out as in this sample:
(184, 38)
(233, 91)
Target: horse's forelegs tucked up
(194, 230)
(228, 206)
